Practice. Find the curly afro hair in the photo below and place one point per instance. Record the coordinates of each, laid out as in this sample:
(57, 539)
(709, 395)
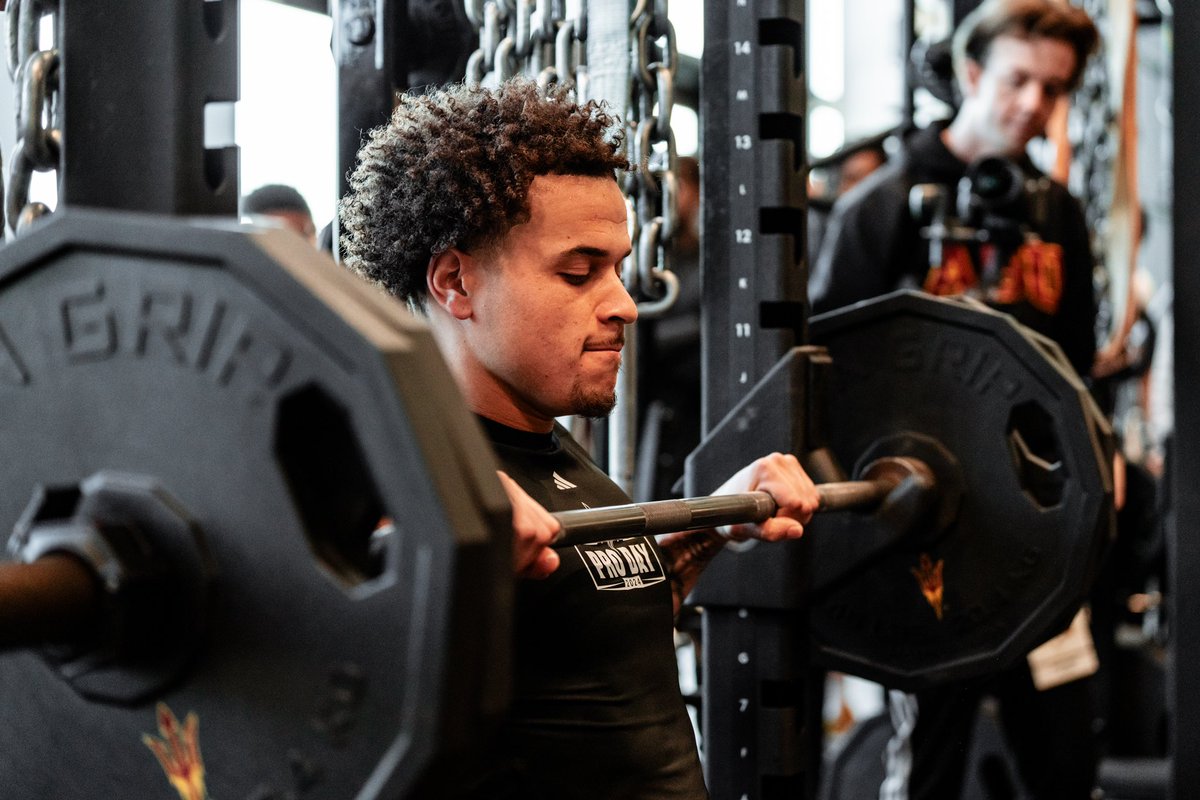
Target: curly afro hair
(453, 169)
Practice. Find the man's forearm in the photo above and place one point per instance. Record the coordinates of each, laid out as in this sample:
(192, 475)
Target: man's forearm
(688, 553)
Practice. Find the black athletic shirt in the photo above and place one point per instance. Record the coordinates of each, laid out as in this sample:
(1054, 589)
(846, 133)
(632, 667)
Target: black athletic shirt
(597, 711)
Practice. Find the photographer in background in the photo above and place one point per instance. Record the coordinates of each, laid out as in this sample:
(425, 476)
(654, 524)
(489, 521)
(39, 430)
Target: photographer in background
(1027, 254)
(1014, 60)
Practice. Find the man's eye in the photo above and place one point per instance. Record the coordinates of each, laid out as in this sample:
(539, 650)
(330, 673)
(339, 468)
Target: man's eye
(576, 278)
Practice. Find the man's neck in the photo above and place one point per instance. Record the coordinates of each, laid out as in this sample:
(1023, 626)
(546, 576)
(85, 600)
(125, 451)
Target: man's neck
(490, 398)
(965, 144)
(484, 394)
(512, 417)
(961, 144)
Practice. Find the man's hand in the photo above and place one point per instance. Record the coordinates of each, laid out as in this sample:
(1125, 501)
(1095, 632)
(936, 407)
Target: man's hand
(782, 477)
(534, 529)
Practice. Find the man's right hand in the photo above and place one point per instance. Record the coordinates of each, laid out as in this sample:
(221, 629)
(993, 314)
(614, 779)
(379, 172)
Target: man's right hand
(534, 529)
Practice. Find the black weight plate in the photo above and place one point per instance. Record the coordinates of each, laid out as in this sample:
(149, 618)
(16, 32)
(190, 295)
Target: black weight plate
(285, 406)
(1036, 491)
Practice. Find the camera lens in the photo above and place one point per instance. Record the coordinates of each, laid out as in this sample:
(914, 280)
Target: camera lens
(995, 180)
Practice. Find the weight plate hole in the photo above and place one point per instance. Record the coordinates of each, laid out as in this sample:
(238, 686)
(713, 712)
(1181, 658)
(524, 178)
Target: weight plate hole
(1036, 454)
(331, 486)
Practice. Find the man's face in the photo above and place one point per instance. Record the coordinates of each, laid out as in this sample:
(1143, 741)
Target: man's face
(548, 306)
(1012, 95)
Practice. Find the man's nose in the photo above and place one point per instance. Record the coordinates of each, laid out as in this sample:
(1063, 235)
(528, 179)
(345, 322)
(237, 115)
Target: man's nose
(618, 304)
(1034, 97)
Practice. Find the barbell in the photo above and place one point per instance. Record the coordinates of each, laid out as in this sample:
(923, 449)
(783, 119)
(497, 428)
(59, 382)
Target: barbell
(57, 587)
(880, 479)
(210, 424)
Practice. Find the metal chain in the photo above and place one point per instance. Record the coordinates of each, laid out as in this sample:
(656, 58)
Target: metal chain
(39, 138)
(651, 186)
(541, 39)
(1093, 144)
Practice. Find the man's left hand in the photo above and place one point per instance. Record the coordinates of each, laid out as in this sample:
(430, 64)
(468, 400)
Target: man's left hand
(781, 476)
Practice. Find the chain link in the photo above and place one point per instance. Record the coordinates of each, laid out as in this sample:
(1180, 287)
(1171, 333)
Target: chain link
(39, 138)
(535, 38)
(1091, 127)
(651, 186)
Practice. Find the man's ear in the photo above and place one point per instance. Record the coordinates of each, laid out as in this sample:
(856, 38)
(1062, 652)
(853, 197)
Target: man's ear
(969, 76)
(447, 279)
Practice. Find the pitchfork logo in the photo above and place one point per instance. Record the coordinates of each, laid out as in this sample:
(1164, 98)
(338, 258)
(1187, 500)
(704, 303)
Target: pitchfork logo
(622, 564)
(929, 578)
(178, 751)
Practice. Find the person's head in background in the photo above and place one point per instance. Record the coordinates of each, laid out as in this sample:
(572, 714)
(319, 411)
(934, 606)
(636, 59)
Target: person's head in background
(858, 165)
(832, 176)
(1014, 60)
(283, 205)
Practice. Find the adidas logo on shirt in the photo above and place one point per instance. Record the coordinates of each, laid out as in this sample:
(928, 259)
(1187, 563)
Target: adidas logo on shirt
(562, 483)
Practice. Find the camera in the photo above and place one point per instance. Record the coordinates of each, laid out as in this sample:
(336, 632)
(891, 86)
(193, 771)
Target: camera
(994, 204)
(993, 194)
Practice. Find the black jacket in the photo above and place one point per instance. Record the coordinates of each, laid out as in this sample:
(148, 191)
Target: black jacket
(873, 246)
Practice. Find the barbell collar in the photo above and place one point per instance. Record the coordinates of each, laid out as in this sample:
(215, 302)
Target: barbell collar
(52, 600)
(880, 479)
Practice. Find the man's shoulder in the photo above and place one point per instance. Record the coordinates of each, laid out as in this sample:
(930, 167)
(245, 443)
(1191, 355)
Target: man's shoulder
(880, 196)
(1057, 206)
(1059, 191)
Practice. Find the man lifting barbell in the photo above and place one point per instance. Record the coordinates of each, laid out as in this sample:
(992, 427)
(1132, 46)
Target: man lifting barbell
(211, 422)
(497, 214)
